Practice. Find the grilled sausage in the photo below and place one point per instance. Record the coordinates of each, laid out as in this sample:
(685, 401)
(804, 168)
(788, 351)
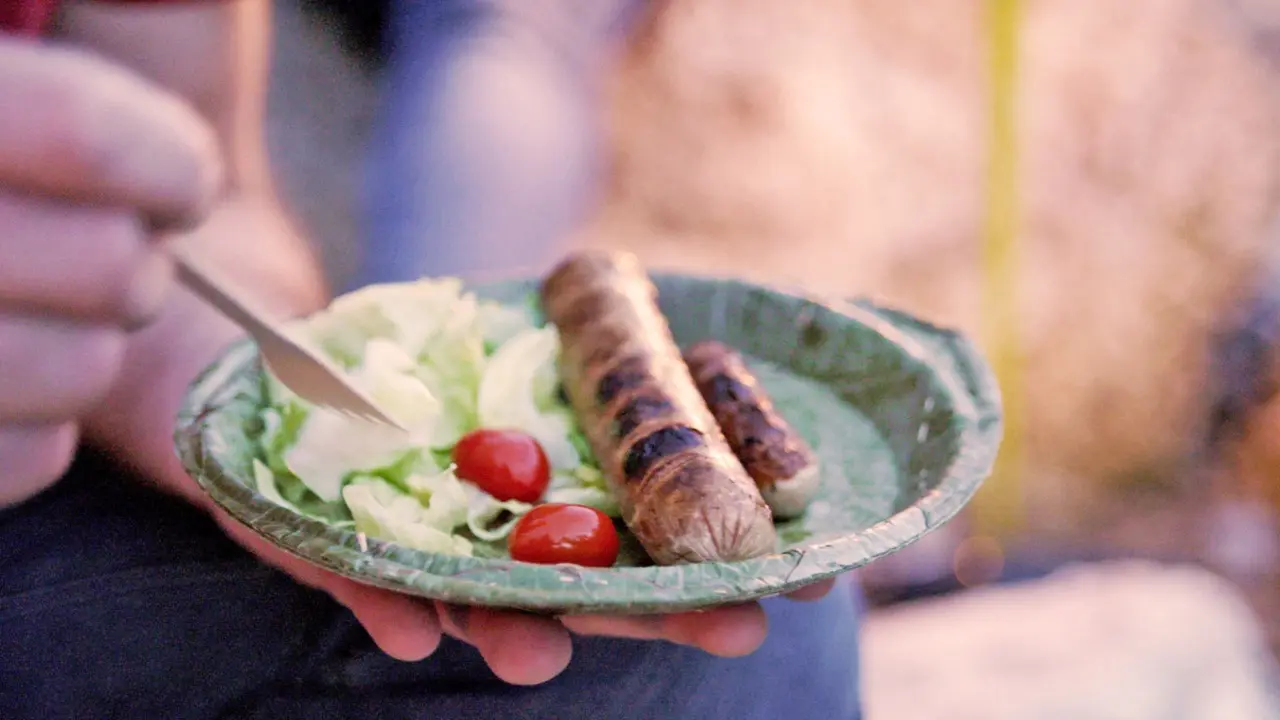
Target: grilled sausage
(682, 492)
(777, 458)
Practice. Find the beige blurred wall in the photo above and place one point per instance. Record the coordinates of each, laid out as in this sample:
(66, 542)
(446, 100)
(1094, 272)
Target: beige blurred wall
(839, 145)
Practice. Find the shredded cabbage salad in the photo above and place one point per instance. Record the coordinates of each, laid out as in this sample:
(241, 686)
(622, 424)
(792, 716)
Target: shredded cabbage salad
(444, 363)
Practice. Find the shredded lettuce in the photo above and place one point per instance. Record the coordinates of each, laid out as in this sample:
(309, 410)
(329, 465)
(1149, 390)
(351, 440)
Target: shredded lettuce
(518, 392)
(584, 486)
(443, 496)
(302, 501)
(499, 323)
(330, 446)
(444, 363)
(490, 519)
(382, 511)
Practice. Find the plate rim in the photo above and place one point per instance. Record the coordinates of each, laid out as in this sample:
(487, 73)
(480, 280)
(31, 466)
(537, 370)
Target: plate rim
(980, 434)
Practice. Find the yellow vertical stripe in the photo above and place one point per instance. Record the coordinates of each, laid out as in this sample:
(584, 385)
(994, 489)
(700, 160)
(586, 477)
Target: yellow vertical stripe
(998, 508)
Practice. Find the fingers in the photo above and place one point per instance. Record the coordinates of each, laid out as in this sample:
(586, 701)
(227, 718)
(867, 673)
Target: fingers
(82, 129)
(85, 263)
(520, 648)
(54, 371)
(32, 457)
(525, 649)
(632, 627)
(810, 593)
(730, 631)
(403, 627)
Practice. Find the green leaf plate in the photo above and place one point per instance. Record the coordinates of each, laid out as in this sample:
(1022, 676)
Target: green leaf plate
(904, 416)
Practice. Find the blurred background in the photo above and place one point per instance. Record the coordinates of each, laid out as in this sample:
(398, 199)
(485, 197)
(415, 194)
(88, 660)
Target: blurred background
(1128, 564)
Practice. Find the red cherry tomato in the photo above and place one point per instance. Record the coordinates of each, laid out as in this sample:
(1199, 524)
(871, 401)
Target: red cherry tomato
(507, 464)
(560, 533)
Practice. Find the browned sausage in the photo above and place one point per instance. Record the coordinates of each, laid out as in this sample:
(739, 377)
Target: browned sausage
(777, 458)
(682, 492)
